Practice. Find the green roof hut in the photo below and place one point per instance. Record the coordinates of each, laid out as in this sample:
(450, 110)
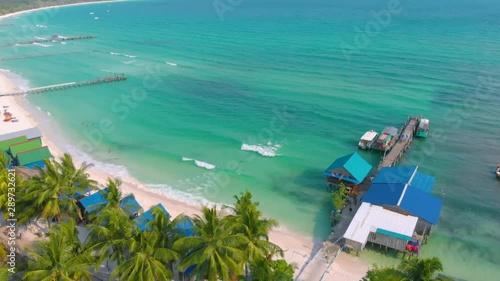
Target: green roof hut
(34, 157)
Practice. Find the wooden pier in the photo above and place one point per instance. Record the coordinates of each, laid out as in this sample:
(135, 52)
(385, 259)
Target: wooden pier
(403, 143)
(57, 39)
(51, 88)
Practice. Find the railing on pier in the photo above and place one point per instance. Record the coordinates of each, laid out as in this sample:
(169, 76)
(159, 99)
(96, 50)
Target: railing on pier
(55, 39)
(51, 88)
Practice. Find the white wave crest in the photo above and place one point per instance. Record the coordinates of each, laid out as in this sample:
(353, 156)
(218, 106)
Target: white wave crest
(268, 150)
(205, 165)
(189, 198)
(199, 163)
(42, 45)
(171, 63)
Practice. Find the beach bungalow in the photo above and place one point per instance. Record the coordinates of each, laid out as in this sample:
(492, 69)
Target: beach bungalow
(185, 227)
(351, 169)
(380, 226)
(90, 203)
(142, 220)
(4, 145)
(33, 158)
(30, 134)
(406, 191)
(16, 148)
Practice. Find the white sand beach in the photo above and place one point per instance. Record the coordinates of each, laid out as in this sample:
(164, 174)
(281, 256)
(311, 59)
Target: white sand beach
(297, 248)
(53, 7)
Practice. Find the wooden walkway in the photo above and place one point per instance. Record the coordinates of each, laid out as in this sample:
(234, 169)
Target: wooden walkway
(403, 143)
(49, 40)
(51, 88)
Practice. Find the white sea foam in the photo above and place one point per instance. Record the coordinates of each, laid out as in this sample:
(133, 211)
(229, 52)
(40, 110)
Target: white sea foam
(41, 26)
(205, 165)
(171, 63)
(190, 198)
(130, 56)
(17, 79)
(37, 107)
(40, 38)
(42, 45)
(129, 62)
(48, 113)
(199, 163)
(268, 150)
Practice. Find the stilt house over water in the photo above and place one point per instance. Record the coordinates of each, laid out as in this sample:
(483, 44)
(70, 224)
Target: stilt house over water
(405, 191)
(350, 169)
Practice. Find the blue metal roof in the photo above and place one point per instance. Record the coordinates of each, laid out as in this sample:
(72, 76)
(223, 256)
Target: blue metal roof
(354, 164)
(129, 205)
(423, 182)
(35, 164)
(90, 203)
(384, 193)
(422, 204)
(185, 227)
(414, 200)
(400, 174)
(142, 220)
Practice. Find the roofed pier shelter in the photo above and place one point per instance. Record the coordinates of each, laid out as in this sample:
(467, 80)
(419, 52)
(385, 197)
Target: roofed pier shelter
(351, 170)
(406, 191)
(380, 226)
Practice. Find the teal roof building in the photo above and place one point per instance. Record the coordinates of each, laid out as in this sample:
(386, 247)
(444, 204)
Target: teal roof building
(351, 168)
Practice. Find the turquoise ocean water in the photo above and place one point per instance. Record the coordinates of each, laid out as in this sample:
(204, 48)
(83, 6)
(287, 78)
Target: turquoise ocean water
(268, 96)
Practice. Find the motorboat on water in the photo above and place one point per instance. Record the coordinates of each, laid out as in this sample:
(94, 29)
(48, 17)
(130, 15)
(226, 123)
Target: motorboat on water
(368, 139)
(498, 171)
(423, 128)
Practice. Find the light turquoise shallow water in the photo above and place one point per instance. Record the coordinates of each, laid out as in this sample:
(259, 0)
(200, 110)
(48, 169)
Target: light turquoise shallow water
(272, 78)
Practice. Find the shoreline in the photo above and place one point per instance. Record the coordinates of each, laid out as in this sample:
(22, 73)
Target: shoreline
(55, 7)
(298, 248)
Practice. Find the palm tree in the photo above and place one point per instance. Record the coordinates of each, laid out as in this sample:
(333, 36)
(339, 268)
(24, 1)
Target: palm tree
(383, 274)
(147, 261)
(61, 257)
(214, 250)
(420, 269)
(54, 190)
(111, 235)
(114, 198)
(249, 222)
(271, 270)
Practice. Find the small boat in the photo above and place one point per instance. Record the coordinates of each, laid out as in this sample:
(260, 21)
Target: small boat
(368, 139)
(498, 171)
(423, 128)
(387, 139)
